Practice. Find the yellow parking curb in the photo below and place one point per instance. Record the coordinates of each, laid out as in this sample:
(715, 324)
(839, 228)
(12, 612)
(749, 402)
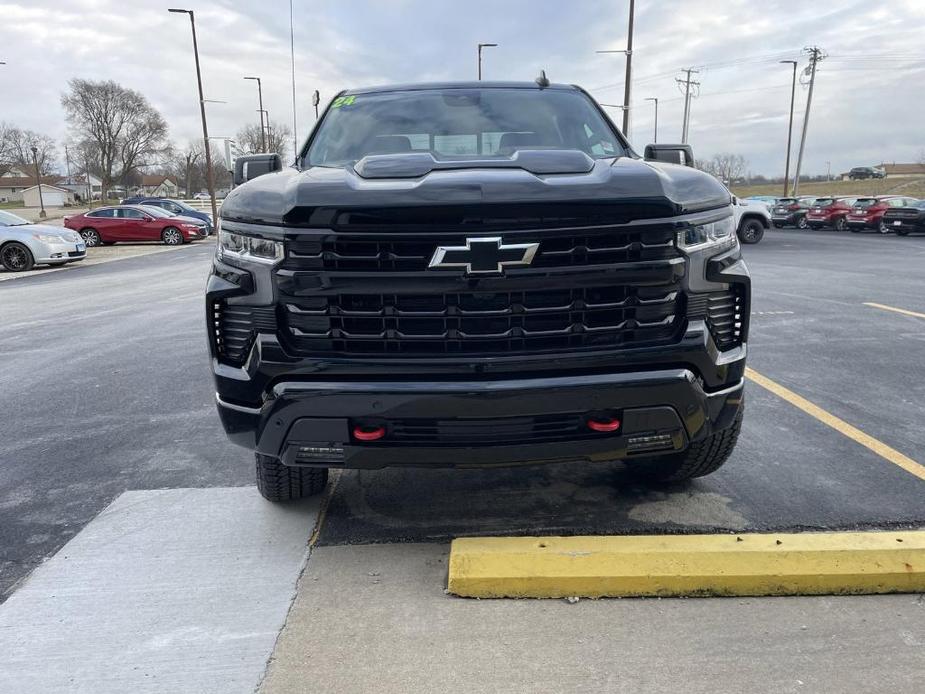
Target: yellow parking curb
(688, 565)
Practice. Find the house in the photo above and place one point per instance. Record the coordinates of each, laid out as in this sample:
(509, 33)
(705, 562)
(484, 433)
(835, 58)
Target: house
(11, 187)
(77, 184)
(51, 196)
(895, 170)
(158, 186)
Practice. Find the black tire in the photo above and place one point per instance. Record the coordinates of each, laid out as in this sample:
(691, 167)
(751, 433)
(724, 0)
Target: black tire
(815, 227)
(778, 225)
(701, 457)
(854, 230)
(278, 482)
(172, 236)
(802, 223)
(840, 224)
(751, 231)
(16, 257)
(91, 237)
(109, 243)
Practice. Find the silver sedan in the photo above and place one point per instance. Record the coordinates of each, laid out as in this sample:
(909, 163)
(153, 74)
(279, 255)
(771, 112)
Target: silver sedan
(24, 244)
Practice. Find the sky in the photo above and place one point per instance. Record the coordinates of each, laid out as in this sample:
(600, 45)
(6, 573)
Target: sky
(868, 106)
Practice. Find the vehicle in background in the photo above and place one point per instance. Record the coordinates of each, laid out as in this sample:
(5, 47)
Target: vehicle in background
(174, 207)
(24, 244)
(829, 212)
(906, 220)
(862, 172)
(768, 200)
(867, 213)
(201, 196)
(791, 212)
(752, 219)
(108, 225)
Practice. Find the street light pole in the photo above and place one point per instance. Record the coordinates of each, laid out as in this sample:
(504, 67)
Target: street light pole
(263, 137)
(38, 180)
(625, 106)
(793, 92)
(210, 175)
(481, 46)
(655, 99)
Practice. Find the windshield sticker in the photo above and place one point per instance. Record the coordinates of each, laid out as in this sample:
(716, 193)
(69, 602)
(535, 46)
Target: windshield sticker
(343, 101)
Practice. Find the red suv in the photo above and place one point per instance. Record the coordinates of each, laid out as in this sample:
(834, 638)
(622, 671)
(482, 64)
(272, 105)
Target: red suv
(107, 225)
(829, 212)
(867, 213)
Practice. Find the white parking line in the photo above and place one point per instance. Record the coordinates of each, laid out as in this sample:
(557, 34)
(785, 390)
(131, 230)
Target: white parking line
(179, 590)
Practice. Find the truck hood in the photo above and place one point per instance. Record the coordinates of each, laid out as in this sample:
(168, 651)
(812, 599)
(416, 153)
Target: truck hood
(294, 197)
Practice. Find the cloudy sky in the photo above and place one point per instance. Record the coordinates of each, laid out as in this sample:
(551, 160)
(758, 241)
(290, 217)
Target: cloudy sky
(869, 104)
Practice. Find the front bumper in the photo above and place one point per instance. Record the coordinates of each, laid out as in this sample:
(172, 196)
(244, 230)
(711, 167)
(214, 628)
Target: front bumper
(318, 416)
(53, 253)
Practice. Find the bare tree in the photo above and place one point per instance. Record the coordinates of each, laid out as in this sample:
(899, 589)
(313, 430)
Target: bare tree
(6, 149)
(18, 145)
(726, 167)
(118, 124)
(279, 136)
(189, 167)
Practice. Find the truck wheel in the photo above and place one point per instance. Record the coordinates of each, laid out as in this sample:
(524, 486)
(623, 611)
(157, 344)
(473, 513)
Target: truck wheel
(701, 457)
(751, 231)
(278, 482)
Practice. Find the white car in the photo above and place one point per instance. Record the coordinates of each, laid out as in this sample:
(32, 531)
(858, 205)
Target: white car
(24, 244)
(752, 219)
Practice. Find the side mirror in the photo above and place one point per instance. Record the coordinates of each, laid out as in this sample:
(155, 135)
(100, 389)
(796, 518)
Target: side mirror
(670, 154)
(735, 200)
(254, 165)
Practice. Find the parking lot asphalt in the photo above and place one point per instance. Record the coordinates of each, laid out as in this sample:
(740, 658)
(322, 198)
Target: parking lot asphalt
(105, 387)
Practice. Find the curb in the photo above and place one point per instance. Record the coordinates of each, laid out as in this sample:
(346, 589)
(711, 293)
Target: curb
(688, 565)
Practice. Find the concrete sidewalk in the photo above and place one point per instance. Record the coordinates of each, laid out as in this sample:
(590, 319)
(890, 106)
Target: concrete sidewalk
(375, 619)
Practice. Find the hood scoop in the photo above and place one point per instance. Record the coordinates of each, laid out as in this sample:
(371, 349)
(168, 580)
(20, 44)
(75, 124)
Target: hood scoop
(417, 164)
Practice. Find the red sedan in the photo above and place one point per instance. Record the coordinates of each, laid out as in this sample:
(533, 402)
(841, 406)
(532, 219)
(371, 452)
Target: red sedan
(108, 225)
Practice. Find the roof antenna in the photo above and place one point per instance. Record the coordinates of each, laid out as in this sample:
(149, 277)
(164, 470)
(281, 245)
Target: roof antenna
(542, 80)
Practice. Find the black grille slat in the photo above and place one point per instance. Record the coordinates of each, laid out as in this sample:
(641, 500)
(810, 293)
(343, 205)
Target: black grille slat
(488, 322)
(235, 328)
(505, 430)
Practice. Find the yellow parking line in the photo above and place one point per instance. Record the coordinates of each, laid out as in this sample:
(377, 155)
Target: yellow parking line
(840, 425)
(691, 565)
(894, 309)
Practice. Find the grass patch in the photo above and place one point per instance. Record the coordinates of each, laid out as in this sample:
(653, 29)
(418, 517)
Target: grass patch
(914, 187)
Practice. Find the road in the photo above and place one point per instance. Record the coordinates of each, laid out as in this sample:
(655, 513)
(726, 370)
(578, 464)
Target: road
(106, 388)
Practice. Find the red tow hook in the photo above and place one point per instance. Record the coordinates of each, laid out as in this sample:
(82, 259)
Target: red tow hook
(368, 433)
(603, 425)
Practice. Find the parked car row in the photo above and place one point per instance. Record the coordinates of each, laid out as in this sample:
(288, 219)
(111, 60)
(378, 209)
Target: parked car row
(108, 225)
(877, 213)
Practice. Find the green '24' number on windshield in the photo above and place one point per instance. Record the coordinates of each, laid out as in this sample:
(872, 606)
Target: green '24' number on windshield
(343, 101)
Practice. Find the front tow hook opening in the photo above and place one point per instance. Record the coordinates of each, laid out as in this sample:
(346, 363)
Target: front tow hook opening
(366, 432)
(603, 424)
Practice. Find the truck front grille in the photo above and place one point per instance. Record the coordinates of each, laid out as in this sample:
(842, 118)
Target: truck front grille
(485, 322)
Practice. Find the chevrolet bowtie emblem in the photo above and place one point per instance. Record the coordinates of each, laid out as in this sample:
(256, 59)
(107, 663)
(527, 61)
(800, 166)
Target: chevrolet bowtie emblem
(484, 255)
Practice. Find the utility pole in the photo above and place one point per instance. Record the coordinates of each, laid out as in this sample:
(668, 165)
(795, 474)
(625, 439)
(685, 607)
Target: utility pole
(295, 129)
(67, 165)
(263, 135)
(828, 171)
(210, 174)
(815, 55)
(627, 86)
(655, 135)
(687, 100)
(481, 46)
(38, 180)
(793, 91)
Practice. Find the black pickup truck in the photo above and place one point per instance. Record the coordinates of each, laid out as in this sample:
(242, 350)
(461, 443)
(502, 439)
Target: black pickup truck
(476, 274)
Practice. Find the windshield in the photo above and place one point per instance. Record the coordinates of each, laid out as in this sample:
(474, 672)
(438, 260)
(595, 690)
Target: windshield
(8, 219)
(461, 123)
(156, 211)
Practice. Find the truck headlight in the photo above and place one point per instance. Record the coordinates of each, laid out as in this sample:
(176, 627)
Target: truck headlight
(234, 245)
(719, 233)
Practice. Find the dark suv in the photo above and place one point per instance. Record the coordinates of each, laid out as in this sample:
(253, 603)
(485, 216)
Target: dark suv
(864, 172)
(476, 274)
